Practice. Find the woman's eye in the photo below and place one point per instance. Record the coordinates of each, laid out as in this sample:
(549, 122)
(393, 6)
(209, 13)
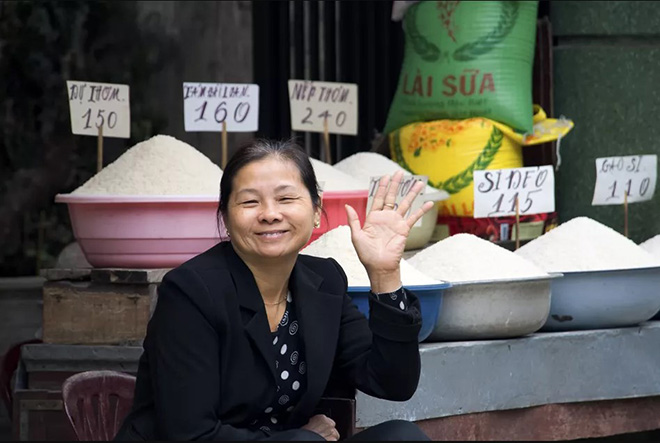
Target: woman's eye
(249, 202)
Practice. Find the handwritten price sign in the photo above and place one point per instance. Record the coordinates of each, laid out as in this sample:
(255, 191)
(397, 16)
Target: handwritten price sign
(207, 105)
(496, 191)
(406, 184)
(95, 105)
(634, 175)
(312, 103)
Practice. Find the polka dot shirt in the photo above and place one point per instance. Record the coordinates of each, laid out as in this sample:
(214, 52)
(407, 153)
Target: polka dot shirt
(291, 370)
(290, 365)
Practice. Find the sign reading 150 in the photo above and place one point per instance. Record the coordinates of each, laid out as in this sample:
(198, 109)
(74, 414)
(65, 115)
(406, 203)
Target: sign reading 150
(99, 106)
(100, 119)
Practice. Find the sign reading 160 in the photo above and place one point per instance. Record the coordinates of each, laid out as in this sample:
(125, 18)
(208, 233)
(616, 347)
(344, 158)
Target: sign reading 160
(240, 112)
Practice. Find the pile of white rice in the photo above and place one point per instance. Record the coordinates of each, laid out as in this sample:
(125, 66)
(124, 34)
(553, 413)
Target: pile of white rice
(652, 246)
(161, 165)
(583, 244)
(466, 258)
(337, 244)
(365, 165)
(332, 179)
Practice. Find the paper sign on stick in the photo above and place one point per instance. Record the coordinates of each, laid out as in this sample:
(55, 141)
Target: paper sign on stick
(496, 190)
(631, 175)
(207, 105)
(92, 105)
(312, 102)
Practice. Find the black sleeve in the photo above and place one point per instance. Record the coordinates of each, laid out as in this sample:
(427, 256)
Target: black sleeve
(184, 363)
(396, 299)
(380, 357)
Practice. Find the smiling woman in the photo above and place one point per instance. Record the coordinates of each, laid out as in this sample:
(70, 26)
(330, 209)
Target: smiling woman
(246, 336)
(269, 213)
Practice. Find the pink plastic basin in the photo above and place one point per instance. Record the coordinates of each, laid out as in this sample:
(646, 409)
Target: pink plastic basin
(143, 231)
(333, 204)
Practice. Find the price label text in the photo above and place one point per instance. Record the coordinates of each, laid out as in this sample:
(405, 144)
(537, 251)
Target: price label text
(496, 191)
(313, 103)
(207, 105)
(95, 105)
(631, 175)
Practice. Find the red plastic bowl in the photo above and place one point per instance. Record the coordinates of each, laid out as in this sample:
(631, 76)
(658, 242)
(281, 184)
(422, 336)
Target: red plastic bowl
(335, 214)
(143, 231)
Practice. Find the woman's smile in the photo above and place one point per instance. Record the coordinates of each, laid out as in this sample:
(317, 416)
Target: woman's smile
(272, 235)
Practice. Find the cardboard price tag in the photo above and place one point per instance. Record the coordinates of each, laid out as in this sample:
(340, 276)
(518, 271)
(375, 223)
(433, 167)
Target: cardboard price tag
(634, 175)
(496, 190)
(207, 105)
(312, 103)
(94, 105)
(404, 187)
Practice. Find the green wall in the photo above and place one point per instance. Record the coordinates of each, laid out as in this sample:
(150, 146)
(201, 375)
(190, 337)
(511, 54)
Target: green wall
(607, 80)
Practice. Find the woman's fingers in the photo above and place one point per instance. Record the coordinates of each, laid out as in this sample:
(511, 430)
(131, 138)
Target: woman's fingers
(329, 431)
(407, 201)
(412, 219)
(353, 219)
(390, 197)
(379, 197)
(334, 435)
(323, 426)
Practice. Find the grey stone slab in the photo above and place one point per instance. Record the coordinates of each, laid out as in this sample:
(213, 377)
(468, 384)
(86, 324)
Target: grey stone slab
(57, 274)
(65, 358)
(543, 368)
(128, 276)
(11, 285)
(605, 18)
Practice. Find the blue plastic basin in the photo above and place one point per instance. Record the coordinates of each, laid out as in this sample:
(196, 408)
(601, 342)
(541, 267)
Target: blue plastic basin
(430, 300)
(603, 299)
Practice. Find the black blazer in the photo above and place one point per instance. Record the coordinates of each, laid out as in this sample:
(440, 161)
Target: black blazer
(208, 366)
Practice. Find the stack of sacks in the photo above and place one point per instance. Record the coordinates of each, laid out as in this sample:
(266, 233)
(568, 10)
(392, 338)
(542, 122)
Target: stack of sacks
(464, 98)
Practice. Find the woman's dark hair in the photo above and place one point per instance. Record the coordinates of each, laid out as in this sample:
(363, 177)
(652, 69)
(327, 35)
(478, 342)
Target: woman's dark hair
(259, 149)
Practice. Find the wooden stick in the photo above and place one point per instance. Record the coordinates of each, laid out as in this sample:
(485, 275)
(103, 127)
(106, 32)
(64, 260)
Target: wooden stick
(625, 213)
(99, 150)
(517, 223)
(326, 141)
(224, 144)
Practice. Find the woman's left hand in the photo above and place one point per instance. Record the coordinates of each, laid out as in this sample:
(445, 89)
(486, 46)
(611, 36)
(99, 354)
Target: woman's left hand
(381, 241)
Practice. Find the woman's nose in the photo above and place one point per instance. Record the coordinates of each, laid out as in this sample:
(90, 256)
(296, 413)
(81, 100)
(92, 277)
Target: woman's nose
(270, 213)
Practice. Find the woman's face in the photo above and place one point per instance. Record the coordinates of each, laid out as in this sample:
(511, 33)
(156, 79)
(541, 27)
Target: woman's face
(270, 213)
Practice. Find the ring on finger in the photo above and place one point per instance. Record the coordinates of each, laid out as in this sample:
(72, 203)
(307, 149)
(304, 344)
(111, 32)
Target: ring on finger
(389, 205)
